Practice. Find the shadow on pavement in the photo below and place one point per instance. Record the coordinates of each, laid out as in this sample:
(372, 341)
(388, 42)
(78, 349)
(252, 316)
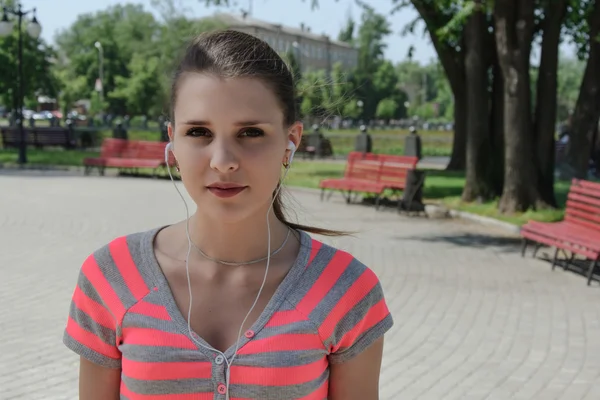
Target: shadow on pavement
(474, 240)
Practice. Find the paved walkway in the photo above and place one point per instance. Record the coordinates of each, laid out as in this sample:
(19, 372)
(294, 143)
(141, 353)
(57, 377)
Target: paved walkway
(473, 319)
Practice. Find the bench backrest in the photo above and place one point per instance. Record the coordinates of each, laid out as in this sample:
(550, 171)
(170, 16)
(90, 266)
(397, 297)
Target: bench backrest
(384, 168)
(362, 166)
(141, 149)
(394, 170)
(112, 147)
(583, 204)
(39, 136)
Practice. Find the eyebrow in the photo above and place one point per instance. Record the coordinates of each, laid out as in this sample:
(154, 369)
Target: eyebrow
(239, 123)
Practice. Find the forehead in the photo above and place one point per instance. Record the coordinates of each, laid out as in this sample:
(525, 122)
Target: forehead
(208, 97)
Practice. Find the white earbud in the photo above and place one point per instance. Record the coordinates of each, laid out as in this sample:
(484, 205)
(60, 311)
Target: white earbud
(292, 148)
(168, 147)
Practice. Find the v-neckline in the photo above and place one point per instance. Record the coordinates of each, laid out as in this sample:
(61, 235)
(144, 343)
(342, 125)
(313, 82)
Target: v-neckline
(166, 294)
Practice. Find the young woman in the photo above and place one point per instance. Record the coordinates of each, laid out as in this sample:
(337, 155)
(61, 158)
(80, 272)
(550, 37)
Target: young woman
(234, 302)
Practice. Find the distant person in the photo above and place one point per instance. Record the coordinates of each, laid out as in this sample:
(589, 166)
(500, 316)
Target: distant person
(235, 301)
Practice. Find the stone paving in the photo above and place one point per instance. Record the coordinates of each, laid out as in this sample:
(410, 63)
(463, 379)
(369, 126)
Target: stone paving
(474, 320)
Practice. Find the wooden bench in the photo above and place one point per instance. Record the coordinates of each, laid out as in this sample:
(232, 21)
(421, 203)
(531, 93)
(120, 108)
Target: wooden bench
(39, 137)
(371, 173)
(578, 233)
(129, 155)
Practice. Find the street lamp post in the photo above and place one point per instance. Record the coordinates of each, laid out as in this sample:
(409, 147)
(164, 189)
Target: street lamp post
(34, 29)
(101, 71)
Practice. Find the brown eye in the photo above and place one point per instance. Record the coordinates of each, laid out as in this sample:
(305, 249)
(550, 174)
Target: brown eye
(252, 132)
(198, 132)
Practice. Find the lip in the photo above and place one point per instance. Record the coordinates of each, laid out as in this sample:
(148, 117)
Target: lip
(225, 190)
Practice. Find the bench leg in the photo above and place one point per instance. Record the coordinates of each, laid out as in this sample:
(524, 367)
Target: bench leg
(101, 170)
(590, 272)
(555, 258)
(377, 202)
(524, 247)
(348, 197)
(322, 193)
(566, 266)
(536, 248)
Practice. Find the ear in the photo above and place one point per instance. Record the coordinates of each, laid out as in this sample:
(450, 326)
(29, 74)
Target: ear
(295, 134)
(170, 131)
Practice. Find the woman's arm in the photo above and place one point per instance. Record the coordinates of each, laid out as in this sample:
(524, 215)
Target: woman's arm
(97, 382)
(357, 378)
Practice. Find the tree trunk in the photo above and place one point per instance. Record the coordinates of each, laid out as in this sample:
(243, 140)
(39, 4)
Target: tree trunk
(587, 109)
(459, 141)
(497, 124)
(514, 34)
(546, 105)
(452, 60)
(478, 184)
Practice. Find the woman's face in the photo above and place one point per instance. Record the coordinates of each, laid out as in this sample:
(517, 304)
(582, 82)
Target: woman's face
(230, 142)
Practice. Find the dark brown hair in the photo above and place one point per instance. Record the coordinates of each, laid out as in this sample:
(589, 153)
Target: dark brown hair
(233, 54)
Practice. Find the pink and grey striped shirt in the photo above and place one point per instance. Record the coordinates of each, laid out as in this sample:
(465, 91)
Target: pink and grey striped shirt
(328, 309)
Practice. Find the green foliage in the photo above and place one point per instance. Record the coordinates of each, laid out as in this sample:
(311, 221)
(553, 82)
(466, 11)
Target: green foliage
(577, 25)
(386, 109)
(141, 91)
(347, 33)
(570, 75)
(139, 54)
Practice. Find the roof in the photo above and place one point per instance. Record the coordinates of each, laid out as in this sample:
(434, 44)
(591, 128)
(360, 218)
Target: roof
(234, 20)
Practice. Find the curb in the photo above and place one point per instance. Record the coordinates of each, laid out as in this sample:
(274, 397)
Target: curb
(436, 211)
(507, 226)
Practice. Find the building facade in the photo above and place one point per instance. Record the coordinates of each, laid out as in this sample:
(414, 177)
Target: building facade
(312, 51)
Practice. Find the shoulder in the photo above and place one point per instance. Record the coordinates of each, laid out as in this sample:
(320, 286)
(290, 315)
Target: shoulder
(339, 268)
(118, 271)
(344, 299)
(335, 280)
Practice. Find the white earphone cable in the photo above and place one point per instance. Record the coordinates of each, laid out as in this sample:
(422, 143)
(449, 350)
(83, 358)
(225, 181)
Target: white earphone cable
(187, 270)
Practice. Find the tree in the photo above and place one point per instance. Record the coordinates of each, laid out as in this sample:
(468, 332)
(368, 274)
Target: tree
(370, 42)
(570, 76)
(514, 29)
(347, 33)
(140, 91)
(123, 30)
(479, 169)
(386, 109)
(554, 13)
(37, 61)
(438, 15)
(587, 110)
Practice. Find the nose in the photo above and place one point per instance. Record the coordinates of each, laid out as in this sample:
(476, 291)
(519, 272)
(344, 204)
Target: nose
(223, 159)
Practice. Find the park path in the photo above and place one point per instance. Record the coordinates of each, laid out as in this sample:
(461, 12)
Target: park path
(473, 320)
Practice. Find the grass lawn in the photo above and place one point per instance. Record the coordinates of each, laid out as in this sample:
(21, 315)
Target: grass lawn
(441, 187)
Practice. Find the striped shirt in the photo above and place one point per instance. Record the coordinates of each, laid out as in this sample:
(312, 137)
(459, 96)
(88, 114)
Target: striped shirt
(328, 308)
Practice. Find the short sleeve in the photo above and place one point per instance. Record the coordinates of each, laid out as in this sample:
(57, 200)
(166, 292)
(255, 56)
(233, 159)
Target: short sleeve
(91, 329)
(365, 319)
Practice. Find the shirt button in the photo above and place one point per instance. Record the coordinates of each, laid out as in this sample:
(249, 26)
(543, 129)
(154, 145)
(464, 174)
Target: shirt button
(222, 389)
(249, 334)
(219, 359)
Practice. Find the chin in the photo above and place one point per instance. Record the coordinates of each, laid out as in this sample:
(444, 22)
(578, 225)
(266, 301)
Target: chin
(232, 210)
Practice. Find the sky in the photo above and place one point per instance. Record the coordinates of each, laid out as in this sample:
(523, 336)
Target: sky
(55, 15)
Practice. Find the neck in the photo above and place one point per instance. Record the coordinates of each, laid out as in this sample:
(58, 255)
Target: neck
(241, 242)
